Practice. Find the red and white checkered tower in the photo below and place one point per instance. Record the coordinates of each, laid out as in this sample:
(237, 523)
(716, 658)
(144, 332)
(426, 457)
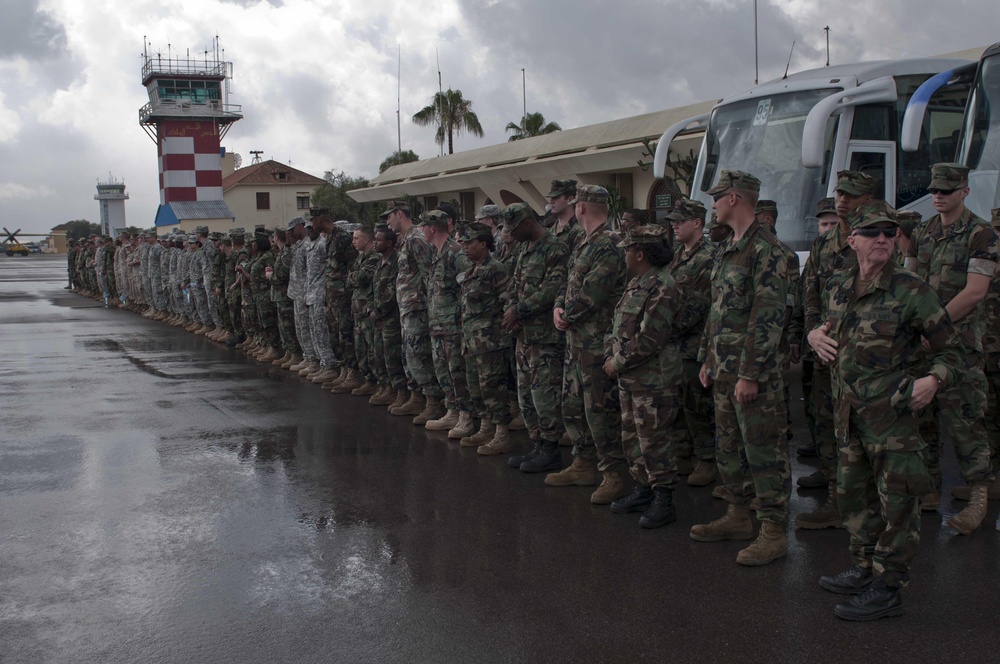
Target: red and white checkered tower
(187, 115)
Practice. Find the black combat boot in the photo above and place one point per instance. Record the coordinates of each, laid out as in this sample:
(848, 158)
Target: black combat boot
(877, 601)
(516, 460)
(852, 582)
(662, 511)
(548, 458)
(637, 501)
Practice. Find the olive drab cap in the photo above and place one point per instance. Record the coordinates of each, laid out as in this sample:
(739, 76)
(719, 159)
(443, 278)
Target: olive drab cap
(879, 207)
(856, 183)
(392, 206)
(199, 230)
(872, 218)
(948, 176)
(318, 211)
(591, 193)
(687, 209)
(489, 212)
(826, 206)
(434, 218)
(907, 220)
(648, 234)
(475, 231)
(735, 180)
(233, 232)
(766, 205)
(515, 214)
(215, 235)
(562, 187)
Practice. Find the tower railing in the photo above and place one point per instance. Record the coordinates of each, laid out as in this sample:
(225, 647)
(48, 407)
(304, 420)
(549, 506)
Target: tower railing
(187, 66)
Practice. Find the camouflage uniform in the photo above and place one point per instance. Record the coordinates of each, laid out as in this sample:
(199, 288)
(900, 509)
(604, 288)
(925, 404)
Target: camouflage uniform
(412, 273)
(209, 252)
(444, 320)
(297, 292)
(267, 314)
(315, 296)
(991, 352)
(359, 283)
(237, 256)
(388, 344)
(196, 276)
(71, 265)
(340, 254)
(486, 346)
(144, 289)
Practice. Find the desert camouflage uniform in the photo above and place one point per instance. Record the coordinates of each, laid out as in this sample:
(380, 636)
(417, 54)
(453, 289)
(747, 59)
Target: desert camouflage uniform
(485, 345)
(413, 271)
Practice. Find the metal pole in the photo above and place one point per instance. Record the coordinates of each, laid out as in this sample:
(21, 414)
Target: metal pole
(827, 30)
(756, 66)
(399, 73)
(524, 97)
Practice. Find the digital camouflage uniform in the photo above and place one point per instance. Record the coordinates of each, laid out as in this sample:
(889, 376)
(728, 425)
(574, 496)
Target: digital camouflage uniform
(315, 301)
(144, 289)
(359, 283)
(297, 292)
(209, 252)
(340, 254)
(485, 345)
(444, 315)
(388, 351)
(412, 273)
(196, 277)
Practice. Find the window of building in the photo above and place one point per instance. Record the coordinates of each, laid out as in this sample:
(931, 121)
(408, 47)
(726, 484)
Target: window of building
(263, 200)
(302, 201)
(468, 211)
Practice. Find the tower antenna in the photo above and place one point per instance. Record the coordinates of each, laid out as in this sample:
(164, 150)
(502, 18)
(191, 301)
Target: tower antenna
(789, 63)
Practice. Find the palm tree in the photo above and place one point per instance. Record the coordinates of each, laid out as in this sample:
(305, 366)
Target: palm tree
(533, 124)
(452, 114)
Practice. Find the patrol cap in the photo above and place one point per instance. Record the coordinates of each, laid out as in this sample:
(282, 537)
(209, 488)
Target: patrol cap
(434, 218)
(856, 183)
(871, 219)
(201, 230)
(907, 220)
(591, 193)
(318, 211)
(766, 205)
(215, 235)
(948, 175)
(826, 206)
(292, 223)
(515, 214)
(192, 238)
(475, 231)
(489, 212)
(237, 231)
(562, 187)
(735, 180)
(687, 209)
(392, 206)
(648, 234)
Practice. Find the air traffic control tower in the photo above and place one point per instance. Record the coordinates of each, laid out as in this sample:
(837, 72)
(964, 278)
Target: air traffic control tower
(187, 116)
(111, 196)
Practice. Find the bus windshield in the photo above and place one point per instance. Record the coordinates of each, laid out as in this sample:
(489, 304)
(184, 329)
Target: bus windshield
(763, 136)
(979, 146)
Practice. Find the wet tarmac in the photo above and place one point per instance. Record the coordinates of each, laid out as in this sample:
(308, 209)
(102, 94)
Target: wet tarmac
(164, 499)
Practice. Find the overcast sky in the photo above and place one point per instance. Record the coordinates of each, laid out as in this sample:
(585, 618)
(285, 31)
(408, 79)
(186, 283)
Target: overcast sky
(317, 78)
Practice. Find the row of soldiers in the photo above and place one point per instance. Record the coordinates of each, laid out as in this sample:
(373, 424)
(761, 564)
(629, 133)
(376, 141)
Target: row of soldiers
(653, 353)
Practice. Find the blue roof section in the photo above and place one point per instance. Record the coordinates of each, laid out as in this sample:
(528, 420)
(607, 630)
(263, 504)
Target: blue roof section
(165, 216)
(172, 214)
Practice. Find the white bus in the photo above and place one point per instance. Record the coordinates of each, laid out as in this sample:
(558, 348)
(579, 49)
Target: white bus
(795, 133)
(979, 140)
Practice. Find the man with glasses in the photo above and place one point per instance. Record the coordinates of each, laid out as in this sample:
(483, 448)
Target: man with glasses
(956, 253)
(876, 313)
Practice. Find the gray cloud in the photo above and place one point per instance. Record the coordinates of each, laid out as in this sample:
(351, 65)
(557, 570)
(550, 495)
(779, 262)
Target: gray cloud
(29, 32)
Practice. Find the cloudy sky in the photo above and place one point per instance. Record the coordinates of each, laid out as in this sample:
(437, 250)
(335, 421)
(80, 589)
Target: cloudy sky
(317, 78)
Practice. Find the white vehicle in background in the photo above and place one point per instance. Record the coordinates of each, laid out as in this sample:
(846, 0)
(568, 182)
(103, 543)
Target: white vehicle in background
(979, 140)
(797, 132)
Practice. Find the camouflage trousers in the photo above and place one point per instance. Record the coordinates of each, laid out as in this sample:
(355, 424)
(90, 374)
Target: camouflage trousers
(993, 416)
(449, 367)
(267, 319)
(176, 300)
(144, 288)
(200, 301)
(224, 317)
(824, 431)
(338, 316)
(158, 296)
(486, 371)
(879, 488)
(590, 409)
(364, 341)
(302, 330)
(808, 369)
(388, 354)
(960, 409)
(417, 361)
(284, 311)
(693, 433)
(319, 333)
(213, 307)
(752, 452)
(647, 429)
(539, 370)
(248, 312)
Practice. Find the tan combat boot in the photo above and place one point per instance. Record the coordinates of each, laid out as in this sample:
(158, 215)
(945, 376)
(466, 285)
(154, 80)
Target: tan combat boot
(612, 488)
(414, 406)
(963, 492)
(367, 389)
(352, 381)
(271, 355)
(338, 379)
(735, 525)
(291, 362)
(931, 502)
(326, 374)
(445, 423)
(384, 397)
(704, 473)
(516, 419)
(485, 434)
(433, 409)
(969, 518)
(770, 545)
(281, 360)
(310, 368)
(299, 366)
(402, 398)
(825, 516)
(582, 472)
(500, 444)
(464, 427)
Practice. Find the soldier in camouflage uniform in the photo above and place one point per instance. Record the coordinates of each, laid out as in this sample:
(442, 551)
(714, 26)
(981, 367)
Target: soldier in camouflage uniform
(388, 332)
(956, 253)
(297, 292)
(583, 311)
(485, 345)
(237, 255)
(565, 225)
(315, 300)
(642, 350)
(359, 285)
(144, 289)
(71, 264)
(876, 315)
(413, 271)
(340, 254)
(199, 286)
(225, 244)
(267, 313)
(538, 275)
(209, 252)
(908, 221)
(444, 319)
(278, 275)
(691, 269)
(507, 254)
(492, 216)
(740, 351)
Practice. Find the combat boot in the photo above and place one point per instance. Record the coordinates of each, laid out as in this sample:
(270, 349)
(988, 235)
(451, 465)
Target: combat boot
(812, 481)
(582, 472)
(612, 487)
(638, 501)
(963, 492)
(299, 366)
(367, 389)
(351, 382)
(445, 423)
(203, 330)
(516, 460)
(413, 406)
(852, 582)
(735, 525)
(770, 545)
(485, 434)
(291, 362)
(326, 374)
(825, 516)
(499, 445)
(548, 458)
(281, 360)
(931, 502)
(969, 518)
(877, 601)
(387, 396)
(271, 355)
(312, 366)
(719, 492)
(339, 378)
(662, 511)
(685, 466)
(464, 427)
(433, 410)
(516, 419)
(704, 473)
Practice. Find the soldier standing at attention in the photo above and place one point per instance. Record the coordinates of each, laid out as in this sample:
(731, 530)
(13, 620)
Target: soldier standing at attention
(956, 253)
(209, 252)
(359, 285)
(583, 311)
(876, 316)
(314, 289)
(277, 275)
(340, 254)
(641, 351)
(740, 350)
(566, 227)
(385, 317)
(297, 292)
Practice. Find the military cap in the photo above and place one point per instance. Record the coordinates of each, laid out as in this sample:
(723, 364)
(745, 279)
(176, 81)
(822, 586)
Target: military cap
(766, 205)
(295, 222)
(872, 218)
(201, 229)
(309, 223)
(489, 212)
(237, 231)
(856, 183)
(475, 231)
(907, 220)
(215, 235)
(948, 176)
(826, 206)
(686, 208)
(648, 234)
(515, 214)
(713, 222)
(735, 180)
(392, 206)
(995, 216)
(434, 218)
(317, 211)
(192, 238)
(591, 193)
(562, 187)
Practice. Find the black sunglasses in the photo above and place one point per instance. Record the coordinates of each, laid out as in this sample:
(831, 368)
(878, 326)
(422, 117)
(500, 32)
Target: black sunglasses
(943, 192)
(875, 232)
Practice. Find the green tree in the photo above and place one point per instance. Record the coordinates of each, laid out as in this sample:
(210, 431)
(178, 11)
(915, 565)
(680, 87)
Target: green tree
(396, 158)
(333, 195)
(453, 114)
(81, 228)
(532, 124)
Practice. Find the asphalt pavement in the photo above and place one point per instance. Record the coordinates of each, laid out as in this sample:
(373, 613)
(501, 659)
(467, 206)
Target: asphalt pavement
(165, 499)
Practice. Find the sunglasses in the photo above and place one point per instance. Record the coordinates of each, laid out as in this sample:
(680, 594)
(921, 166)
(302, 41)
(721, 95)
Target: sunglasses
(723, 194)
(943, 192)
(875, 232)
